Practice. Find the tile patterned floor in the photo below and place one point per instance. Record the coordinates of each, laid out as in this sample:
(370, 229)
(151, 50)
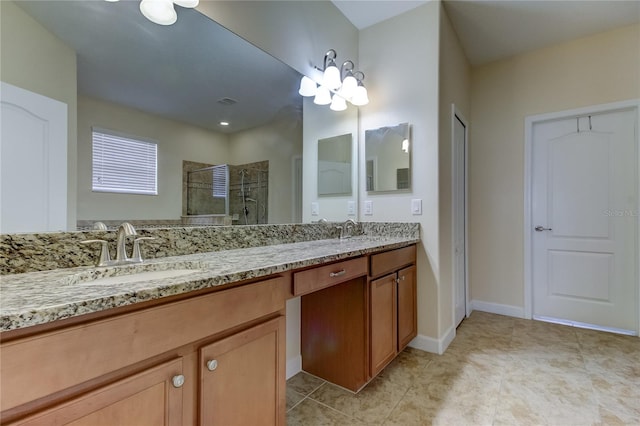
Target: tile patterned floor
(498, 371)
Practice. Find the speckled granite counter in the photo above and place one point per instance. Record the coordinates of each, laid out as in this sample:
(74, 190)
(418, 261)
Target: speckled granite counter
(40, 297)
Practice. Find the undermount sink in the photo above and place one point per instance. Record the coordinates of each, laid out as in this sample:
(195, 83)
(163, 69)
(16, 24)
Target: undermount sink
(132, 273)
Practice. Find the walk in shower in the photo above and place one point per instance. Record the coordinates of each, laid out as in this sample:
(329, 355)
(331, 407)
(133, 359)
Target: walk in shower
(225, 194)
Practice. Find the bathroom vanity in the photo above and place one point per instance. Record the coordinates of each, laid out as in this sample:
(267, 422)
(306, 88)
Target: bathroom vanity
(205, 344)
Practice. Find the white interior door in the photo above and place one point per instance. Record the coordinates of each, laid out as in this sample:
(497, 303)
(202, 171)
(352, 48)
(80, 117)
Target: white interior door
(584, 213)
(33, 162)
(459, 218)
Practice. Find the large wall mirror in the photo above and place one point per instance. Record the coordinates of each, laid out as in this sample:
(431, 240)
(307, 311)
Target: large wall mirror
(388, 158)
(176, 84)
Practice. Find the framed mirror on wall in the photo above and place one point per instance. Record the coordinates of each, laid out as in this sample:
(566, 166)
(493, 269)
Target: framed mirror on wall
(334, 165)
(388, 159)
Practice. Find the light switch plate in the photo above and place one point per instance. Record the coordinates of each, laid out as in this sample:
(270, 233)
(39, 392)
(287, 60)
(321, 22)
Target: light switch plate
(315, 209)
(416, 206)
(351, 208)
(368, 207)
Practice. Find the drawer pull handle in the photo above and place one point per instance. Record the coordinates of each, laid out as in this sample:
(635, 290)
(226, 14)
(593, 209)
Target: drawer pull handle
(212, 364)
(337, 274)
(178, 381)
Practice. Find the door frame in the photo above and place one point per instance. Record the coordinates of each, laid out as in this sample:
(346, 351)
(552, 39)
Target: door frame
(530, 121)
(457, 114)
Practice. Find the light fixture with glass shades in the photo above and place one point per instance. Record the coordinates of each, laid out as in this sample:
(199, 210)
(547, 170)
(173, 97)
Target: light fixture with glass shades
(162, 12)
(336, 86)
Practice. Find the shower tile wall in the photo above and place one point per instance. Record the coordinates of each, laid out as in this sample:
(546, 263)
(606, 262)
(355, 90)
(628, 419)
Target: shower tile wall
(197, 189)
(256, 193)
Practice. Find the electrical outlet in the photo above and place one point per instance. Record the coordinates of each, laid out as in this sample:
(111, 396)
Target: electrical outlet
(315, 209)
(351, 208)
(368, 207)
(416, 207)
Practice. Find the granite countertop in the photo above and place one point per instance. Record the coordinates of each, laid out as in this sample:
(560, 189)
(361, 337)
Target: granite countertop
(41, 297)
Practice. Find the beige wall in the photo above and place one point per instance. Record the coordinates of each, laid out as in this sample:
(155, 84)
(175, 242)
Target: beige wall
(592, 70)
(455, 87)
(176, 142)
(34, 59)
(278, 142)
(321, 123)
(399, 57)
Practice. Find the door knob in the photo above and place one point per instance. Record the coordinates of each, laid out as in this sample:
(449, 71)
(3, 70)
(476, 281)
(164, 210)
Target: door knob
(540, 228)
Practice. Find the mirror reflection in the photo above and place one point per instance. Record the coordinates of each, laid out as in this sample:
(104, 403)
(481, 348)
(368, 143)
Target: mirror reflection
(334, 165)
(388, 158)
(174, 85)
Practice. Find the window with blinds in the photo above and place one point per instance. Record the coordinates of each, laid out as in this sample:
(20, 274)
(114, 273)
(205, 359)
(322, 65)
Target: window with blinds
(123, 164)
(219, 181)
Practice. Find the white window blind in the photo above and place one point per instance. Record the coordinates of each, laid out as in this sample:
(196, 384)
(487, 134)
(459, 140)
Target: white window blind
(219, 181)
(123, 164)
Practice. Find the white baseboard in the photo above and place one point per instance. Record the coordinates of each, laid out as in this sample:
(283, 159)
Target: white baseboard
(294, 366)
(436, 346)
(497, 308)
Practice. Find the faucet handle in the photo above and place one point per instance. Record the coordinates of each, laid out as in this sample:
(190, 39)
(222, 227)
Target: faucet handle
(137, 255)
(105, 257)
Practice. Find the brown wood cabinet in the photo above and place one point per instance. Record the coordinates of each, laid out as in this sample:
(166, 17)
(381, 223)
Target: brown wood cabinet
(334, 330)
(152, 366)
(243, 377)
(351, 328)
(393, 305)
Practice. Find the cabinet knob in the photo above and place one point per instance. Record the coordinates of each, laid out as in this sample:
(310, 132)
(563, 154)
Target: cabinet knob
(178, 381)
(212, 364)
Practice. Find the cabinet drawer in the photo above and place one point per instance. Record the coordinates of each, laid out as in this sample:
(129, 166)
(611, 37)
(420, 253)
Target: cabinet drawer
(392, 260)
(41, 365)
(326, 276)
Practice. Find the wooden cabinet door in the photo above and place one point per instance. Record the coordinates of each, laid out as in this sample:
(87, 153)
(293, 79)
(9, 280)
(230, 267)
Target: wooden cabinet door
(407, 307)
(383, 330)
(242, 377)
(147, 398)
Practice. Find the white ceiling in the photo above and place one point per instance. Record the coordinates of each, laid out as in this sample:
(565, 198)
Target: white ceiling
(495, 29)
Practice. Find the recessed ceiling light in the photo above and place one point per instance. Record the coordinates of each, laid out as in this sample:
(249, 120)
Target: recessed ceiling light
(224, 123)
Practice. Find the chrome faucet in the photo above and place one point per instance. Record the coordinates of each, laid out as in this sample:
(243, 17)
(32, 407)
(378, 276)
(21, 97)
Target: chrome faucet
(345, 229)
(124, 230)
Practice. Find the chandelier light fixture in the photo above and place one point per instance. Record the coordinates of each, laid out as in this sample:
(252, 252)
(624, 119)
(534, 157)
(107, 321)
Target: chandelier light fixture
(336, 86)
(162, 12)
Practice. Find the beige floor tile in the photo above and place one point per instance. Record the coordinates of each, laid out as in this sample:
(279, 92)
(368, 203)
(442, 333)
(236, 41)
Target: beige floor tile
(543, 332)
(293, 398)
(304, 383)
(371, 405)
(408, 366)
(498, 370)
(312, 413)
(542, 392)
(462, 403)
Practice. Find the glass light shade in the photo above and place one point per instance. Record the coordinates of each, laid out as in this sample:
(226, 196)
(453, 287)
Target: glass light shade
(331, 77)
(349, 86)
(360, 96)
(307, 87)
(405, 145)
(323, 97)
(187, 3)
(160, 12)
(338, 103)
